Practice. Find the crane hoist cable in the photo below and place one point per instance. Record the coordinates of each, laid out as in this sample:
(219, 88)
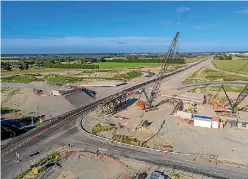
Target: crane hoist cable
(158, 82)
(222, 86)
(242, 95)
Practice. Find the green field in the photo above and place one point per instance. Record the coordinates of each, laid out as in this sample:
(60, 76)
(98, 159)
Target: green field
(229, 88)
(36, 70)
(105, 65)
(195, 59)
(20, 79)
(111, 65)
(231, 65)
(207, 75)
(60, 79)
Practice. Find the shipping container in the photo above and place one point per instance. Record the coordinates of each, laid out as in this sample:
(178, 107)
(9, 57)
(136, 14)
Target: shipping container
(200, 117)
(203, 123)
(184, 115)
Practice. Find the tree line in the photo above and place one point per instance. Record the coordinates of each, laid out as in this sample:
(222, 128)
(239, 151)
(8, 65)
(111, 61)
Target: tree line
(8, 66)
(83, 63)
(223, 57)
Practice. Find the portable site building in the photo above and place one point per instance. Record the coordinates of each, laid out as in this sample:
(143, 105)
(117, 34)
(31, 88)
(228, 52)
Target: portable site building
(202, 121)
(206, 121)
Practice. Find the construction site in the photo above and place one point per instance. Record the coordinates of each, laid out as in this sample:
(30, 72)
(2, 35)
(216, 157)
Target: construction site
(177, 120)
(70, 164)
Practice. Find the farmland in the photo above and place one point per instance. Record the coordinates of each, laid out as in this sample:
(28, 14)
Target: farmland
(232, 65)
(35, 70)
(21, 79)
(207, 75)
(113, 65)
(102, 66)
(197, 59)
(228, 88)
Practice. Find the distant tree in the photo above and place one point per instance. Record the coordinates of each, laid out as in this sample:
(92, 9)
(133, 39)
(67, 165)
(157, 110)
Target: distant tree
(23, 65)
(102, 59)
(6, 66)
(132, 57)
(221, 58)
(82, 60)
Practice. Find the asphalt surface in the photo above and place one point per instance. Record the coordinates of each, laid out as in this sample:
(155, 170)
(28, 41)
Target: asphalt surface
(159, 158)
(67, 132)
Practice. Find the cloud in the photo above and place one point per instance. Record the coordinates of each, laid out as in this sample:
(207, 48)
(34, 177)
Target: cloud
(244, 11)
(183, 9)
(170, 22)
(128, 44)
(207, 26)
(82, 44)
(84, 41)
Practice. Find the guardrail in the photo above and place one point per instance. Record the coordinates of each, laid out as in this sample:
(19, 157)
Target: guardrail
(23, 139)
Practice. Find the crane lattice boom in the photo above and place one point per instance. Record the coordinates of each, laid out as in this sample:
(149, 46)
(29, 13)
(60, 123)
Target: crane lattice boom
(242, 95)
(157, 85)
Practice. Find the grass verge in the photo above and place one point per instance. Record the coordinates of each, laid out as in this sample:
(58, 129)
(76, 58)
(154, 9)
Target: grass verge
(42, 166)
(207, 75)
(21, 79)
(229, 88)
(128, 76)
(5, 110)
(127, 140)
(99, 128)
(60, 79)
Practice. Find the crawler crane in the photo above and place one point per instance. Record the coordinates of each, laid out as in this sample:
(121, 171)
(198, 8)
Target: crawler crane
(155, 90)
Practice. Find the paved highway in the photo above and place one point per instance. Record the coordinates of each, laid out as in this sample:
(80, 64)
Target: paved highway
(159, 158)
(66, 132)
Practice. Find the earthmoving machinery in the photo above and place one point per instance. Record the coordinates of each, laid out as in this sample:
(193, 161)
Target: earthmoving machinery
(230, 106)
(155, 90)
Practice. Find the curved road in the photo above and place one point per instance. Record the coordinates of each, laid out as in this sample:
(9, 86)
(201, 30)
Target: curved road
(158, 157)
(67, 132)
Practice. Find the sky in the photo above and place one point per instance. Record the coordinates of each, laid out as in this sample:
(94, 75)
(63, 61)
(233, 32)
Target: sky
(122, 27)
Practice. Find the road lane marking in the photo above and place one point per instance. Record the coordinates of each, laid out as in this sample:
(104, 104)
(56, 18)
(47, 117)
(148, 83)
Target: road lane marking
(67, 130)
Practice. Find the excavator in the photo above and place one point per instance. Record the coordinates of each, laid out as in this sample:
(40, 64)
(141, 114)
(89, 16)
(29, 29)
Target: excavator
(230, 106)
(155, 90)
